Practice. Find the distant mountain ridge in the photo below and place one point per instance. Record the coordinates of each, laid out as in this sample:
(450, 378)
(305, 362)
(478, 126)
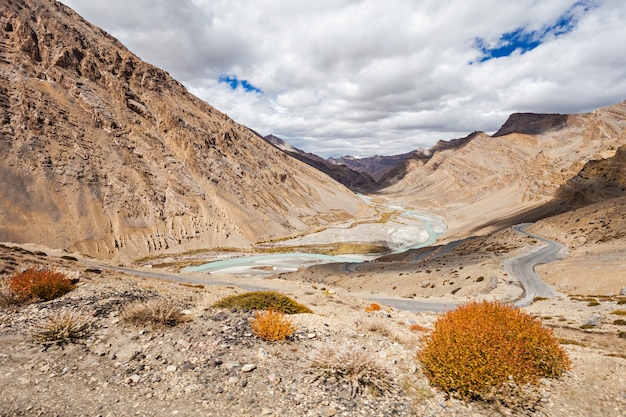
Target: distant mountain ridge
(351, 178)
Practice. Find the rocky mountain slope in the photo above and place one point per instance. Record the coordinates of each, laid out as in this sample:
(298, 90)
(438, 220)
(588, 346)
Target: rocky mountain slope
(375, 166)
(351, 178)
(107, 155)
(491, 182)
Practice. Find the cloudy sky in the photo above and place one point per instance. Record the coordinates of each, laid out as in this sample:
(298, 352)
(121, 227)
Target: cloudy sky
(366, 77)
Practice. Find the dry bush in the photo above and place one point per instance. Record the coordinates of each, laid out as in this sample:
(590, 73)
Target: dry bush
(477, 347)
(157, 312)
(272, 325)
(263, 300)
(373, 307)
(354, 365)
(7, 297)
(39, 285)
(417, 328)
(377, 325)
(62, 328)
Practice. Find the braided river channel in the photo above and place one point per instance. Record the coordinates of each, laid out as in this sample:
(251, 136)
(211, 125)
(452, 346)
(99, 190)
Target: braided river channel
(402, 230)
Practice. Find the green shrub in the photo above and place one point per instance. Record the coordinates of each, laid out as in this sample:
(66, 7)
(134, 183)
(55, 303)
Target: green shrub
(39, 285)
(478, 347)
(263, 300)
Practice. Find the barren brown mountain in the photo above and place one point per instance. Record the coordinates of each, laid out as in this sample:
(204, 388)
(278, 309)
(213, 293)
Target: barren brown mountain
(493, 182)
(107, 155)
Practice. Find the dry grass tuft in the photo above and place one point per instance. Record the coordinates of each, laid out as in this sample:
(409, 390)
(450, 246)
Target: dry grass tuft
(62, 328)
(272, 325)
(477, 347)
(157, 312)
(356, 366)
(38, 285)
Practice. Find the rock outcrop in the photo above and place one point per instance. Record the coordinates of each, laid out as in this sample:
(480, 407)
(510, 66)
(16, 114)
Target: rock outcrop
(105, 154)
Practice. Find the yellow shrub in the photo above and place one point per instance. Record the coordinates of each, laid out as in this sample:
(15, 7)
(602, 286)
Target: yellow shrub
(480, 346)
(272, 325)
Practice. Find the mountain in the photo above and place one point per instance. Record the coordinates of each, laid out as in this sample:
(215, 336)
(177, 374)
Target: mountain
(494, 181)
(107, 155)
(375, 166)
(351, 178)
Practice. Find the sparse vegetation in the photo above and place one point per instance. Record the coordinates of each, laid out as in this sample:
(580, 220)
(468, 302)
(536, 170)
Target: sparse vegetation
(417, 328)
(619, 312)
(565, 341)
(157, 312)
(477, 347)
(38, 285)
(619, 322)
(354, 365)
(62, 328)
(373, 307)
(272, 325)
(263, 300)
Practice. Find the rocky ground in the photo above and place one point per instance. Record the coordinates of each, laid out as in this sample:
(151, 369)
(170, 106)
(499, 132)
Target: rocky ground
(212, 364)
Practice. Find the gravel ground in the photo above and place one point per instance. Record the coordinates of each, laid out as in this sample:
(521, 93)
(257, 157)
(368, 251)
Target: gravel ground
(213, 365)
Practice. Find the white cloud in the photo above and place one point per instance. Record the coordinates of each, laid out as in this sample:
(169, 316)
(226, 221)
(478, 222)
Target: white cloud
(368, 77)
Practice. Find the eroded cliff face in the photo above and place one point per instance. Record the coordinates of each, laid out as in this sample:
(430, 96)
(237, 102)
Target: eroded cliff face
(105, 154)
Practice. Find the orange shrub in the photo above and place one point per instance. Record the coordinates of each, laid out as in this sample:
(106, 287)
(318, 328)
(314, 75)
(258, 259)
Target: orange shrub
(479, 347)
(39, 284)
(272, 325)
(373, 307)
(417, 328)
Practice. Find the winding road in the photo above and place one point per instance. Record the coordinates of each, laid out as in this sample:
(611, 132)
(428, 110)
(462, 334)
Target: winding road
(523, 267)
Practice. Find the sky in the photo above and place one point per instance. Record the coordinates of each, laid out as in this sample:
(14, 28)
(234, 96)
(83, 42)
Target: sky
(378, 77)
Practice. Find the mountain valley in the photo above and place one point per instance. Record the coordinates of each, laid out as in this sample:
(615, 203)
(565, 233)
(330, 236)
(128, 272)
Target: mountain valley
(115, 175)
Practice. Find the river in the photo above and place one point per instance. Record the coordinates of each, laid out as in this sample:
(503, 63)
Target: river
(403, 230)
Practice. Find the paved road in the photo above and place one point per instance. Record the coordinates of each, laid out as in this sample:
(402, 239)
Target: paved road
(523, 267)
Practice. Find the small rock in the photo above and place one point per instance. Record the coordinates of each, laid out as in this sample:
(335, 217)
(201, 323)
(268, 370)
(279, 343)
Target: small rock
(327, 412)
(248, 367)
(187, 366)
(232, 365)
(262, 353)
(311, 335)
(622, 291)
(135, 378)
(233, 380)
(171, 368)
(273, 379)
(266, 412)
(594, 320)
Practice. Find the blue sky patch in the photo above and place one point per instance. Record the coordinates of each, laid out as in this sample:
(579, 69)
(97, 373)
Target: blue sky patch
(234, 83)
(523, 40)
